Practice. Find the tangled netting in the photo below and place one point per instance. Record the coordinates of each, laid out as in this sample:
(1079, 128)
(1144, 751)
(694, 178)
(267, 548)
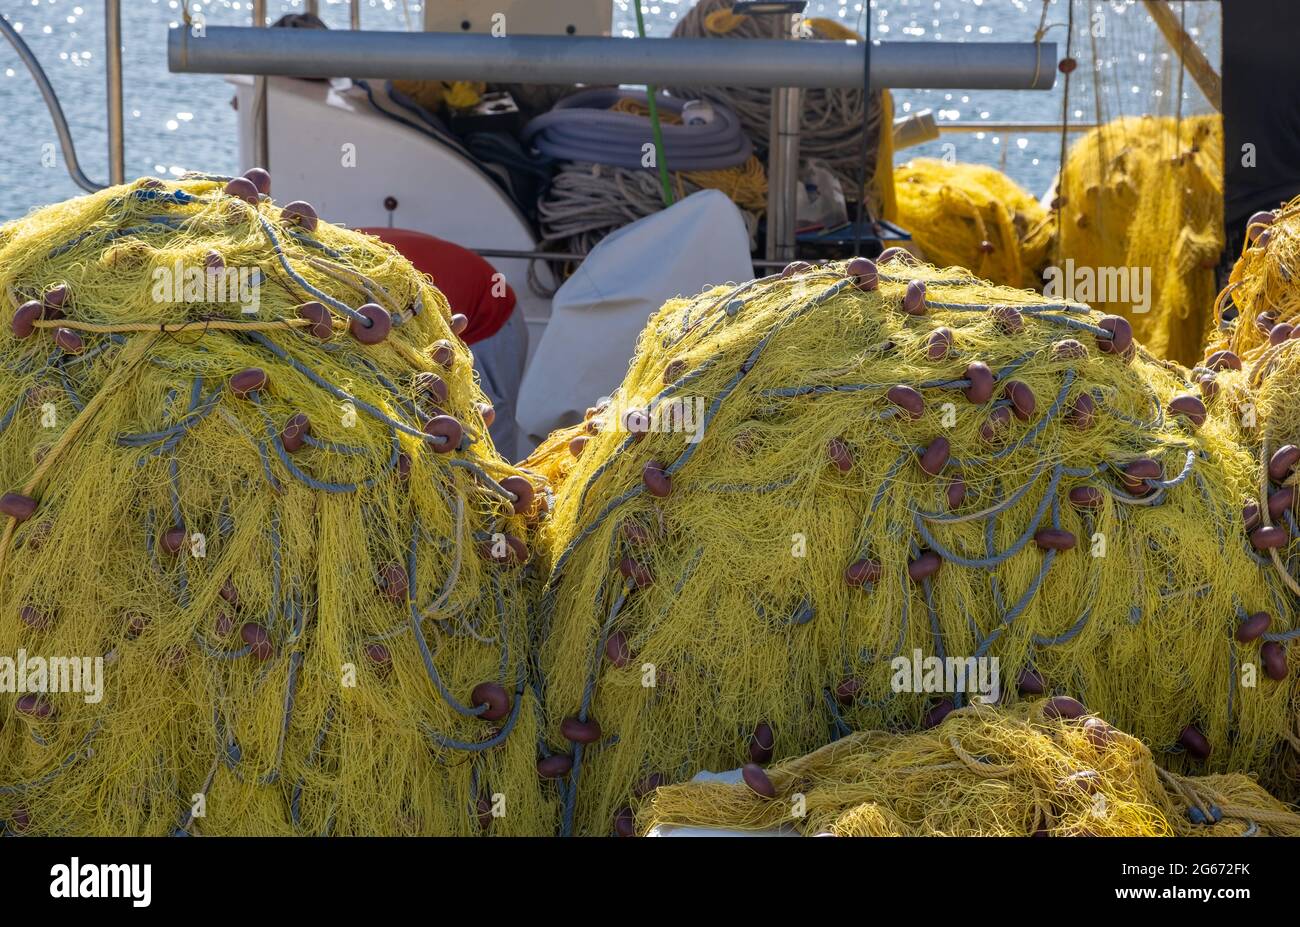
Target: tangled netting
(553, 460)
(1028, 771)
(1259, 309)
(900, 462)
(832, 121)
(1144, 195)
(1252, 372)
(280, 524)
(973, 216)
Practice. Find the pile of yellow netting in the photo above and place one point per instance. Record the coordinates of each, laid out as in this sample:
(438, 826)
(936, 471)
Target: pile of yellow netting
(1262, 291)
(1253, 370)
(982, 772)
(976, 217)
(1136, 227)
(835, 489)
(286, 534)
(1144, 195)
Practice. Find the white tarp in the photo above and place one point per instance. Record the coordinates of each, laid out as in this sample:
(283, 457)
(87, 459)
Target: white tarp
(600, 311)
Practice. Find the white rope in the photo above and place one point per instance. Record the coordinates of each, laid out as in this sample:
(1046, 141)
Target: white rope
(832, 121)
(588, 201)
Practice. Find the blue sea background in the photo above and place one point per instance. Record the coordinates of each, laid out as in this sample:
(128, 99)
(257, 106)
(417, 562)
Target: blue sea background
(178, 122)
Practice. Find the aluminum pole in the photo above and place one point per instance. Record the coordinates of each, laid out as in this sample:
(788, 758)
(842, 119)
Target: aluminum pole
(113, 82)
(544, 59)
(783, 165)
(261, 125)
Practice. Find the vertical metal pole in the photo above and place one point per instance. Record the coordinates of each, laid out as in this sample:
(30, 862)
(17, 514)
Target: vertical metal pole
(783, 166)
(313, 7)
(355, 14)
(261, 128)
(113, 73)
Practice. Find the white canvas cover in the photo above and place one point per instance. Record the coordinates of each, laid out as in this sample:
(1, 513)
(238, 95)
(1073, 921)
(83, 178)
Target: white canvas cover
(600, 311)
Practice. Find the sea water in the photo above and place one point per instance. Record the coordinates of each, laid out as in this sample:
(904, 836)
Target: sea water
(179, 122)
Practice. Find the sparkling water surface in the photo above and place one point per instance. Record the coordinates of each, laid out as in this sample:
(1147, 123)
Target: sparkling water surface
(179, 122)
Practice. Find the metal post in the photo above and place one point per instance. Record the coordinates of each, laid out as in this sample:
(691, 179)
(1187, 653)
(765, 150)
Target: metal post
(113, 75)
(355, 14)
(52, 104)
(313, 7)
(571, 59)
(783, 165)
(261, 127)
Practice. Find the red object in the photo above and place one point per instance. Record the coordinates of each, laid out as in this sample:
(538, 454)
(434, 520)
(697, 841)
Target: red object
(464, 278)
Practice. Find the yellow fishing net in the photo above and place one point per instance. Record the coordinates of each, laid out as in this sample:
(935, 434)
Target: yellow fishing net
(1021, 772)
(554, 459)
(849, 466)
(1260, 307)
(1140, 202)
(975, 217)
(432, 94)
(246, 465)
(1252, 369)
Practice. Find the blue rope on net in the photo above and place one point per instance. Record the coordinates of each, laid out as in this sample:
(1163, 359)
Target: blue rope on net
(302, 281)
(988, 562)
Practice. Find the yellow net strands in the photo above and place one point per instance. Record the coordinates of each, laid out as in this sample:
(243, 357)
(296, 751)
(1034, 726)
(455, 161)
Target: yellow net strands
(1259, 308)
(1143, 192)
(1135, 229)
(1252, 369)
(273, 513)
(972, 216)
(1135, 223)
(1141, 201)
(246, 470)
(1025, 771)
(808, 478)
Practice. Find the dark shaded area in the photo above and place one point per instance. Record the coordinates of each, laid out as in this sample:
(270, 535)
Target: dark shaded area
(1261, 107)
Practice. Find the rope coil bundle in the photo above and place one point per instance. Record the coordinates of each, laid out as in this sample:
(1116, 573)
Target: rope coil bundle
(281, 526)
(606, 188)
(969, 215)
(832, 121)
(586, 202)
(1026, 771)
(856, 463)
(597, 126)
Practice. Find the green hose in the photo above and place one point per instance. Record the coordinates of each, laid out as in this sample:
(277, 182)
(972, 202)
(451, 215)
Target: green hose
(651, 90)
